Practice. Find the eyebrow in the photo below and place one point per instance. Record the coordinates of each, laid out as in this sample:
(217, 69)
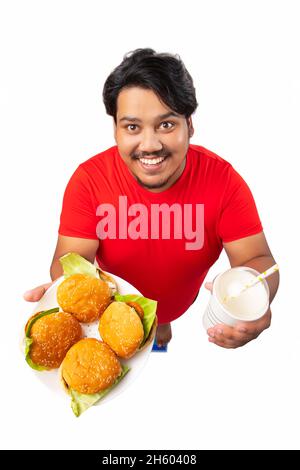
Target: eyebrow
(162, 116)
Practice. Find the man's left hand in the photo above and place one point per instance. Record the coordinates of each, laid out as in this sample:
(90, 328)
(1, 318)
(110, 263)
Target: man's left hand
(239, 334)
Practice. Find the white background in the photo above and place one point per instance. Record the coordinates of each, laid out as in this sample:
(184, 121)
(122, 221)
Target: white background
(244, 58)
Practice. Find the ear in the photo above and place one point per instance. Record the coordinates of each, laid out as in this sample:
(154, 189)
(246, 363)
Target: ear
(115, 130)
(190, 126)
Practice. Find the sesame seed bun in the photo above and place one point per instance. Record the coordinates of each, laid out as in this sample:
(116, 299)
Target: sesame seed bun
(121, 328)
(90, 366)
(52, 336)
(84, 296)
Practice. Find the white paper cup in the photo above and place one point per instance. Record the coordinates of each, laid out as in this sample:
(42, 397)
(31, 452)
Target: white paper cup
(249, 306)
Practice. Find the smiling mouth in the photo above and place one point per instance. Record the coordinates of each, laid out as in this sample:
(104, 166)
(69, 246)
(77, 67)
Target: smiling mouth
(152, 161)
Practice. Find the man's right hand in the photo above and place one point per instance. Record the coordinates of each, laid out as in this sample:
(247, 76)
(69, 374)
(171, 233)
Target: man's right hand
(34, 295)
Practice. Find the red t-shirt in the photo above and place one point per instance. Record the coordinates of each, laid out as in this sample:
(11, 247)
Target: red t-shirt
(166, 259)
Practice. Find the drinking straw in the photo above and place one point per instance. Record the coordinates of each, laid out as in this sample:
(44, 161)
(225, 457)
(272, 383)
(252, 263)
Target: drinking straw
(255, 281)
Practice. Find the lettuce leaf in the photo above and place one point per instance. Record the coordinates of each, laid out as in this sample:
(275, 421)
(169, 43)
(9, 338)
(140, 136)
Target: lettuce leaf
(149, 306)
(29, 341)
(37, 317)
(73, 263)
(33, 365)
(81, 402)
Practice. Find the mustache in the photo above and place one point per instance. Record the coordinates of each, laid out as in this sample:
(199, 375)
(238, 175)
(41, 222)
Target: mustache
(159, 154)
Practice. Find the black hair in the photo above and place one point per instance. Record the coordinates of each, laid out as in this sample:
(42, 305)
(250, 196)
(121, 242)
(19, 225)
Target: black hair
(163, 73)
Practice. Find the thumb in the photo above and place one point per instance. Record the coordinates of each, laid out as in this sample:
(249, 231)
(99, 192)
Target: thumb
(34, 295)
(208, 286)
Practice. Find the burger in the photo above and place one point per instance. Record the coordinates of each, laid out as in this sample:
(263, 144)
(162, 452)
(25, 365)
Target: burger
(86, 291)
(48, 337)
(128, 324)
(89, 371)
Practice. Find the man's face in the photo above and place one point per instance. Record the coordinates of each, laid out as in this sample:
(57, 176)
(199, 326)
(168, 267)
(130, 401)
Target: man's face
(152, 139)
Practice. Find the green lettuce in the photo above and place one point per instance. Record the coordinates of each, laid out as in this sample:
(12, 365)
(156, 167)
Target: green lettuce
(37, 317)
(81, 402)
(33, 365)
(29, 341)
(73, 263)
(149, 306)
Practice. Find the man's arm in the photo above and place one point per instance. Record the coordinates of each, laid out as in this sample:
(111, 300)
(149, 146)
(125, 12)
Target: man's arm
(254, 252)
(83, 246)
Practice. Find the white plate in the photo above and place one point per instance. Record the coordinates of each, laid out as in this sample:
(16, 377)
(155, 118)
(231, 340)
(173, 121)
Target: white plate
(136, 363)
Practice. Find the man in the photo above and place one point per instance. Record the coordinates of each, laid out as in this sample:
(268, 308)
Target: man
(156, 210)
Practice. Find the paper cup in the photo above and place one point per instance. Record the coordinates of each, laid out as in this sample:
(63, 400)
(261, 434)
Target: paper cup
(249, 306)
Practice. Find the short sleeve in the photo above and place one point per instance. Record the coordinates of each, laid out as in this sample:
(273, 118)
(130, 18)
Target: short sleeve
(78, 214)
(239, 216)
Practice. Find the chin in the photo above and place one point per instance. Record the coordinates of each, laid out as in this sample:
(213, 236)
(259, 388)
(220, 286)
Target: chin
(152, 184)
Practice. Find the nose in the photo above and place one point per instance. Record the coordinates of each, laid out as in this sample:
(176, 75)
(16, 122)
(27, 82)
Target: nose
(149, 142)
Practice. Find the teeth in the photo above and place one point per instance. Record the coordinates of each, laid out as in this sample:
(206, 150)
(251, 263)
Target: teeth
(152, 161)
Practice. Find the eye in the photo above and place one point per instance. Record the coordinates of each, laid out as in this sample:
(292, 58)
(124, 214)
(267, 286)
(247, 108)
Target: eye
(167, 125)
(130, 126)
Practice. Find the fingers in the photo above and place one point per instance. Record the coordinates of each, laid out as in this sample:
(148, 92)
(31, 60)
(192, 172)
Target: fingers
(240, 334)
(208, 286)
(231, 337)
(254, 328)
(34, 295)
